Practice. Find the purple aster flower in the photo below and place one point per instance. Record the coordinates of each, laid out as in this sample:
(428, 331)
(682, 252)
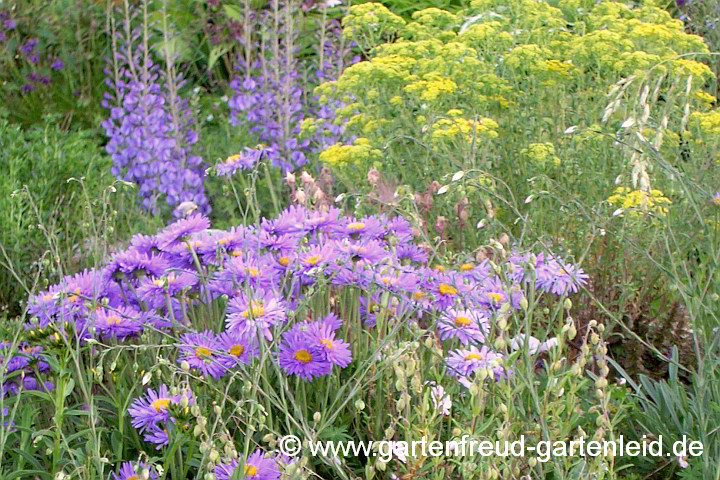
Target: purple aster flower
(241, 161)
(130, 471)
(238, 348)
(157, 435)
(257, 467)
(411, 252)
(716, 199)
(27, 47)
(152, 289)
(371, 251)
(120, 323)
(468, 326)
(298, 354)
(182, 228)
(559, 278)
(27, 87)
(10, 24)
(203, 352)
(258, 313)
(151, 409)
(368, 227)
(336, 350)
(462, 363)
(447, 288)
(57, 64)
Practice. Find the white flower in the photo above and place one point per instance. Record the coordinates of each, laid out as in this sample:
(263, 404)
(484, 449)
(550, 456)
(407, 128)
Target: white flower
(441, 400)
(534, 345)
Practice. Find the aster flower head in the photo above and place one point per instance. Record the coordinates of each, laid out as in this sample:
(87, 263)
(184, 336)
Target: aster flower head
(256, 467)
(716, 199)
(120, 323)
(133, 471)
(241, 161)
(237, 348)
(299, 354)
(255, 313)
(182, 228)
(203, 352)
(560, 278)
(467, 325)
(464, 362)
(336, 350)
(150, 409)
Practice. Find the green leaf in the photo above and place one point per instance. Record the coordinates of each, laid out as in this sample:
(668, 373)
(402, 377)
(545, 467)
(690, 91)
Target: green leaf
(233, 12)
(216, 53)
(69, 388)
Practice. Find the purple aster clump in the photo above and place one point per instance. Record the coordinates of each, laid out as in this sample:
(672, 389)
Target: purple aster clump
(151, 128)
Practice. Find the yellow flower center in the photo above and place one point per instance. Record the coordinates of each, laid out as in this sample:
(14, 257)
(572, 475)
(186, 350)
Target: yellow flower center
(446, 289)
(75, 298)
(284, 261)
(160, 404)
(387, 280)
(419, 295)
(203, 352)
(159, 282)
(236, 253)
(114, 320)
(250, 470)
(233, 158)
(496, 297)
(47, 297)
(356, 226)
(439, 268)
(475, 356)
(255, 311)
(223, 241)
(303, 356)
(133, 477)
(236, 350)
(716, 200)
(466, 266)
(252, 271)
(327, 342)
(192, 245)
(462, 321)
(313, 260)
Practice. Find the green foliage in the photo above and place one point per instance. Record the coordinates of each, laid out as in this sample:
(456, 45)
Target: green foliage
(52, 183)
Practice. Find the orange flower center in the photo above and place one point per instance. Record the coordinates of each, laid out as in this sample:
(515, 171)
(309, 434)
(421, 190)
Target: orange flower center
(236, 350)
(466, 266)
(462, 321)
(475, 356)
(419, 295)
(255, 311)
(327, 342)
(250, 470)
(236, 253)
(160, 404)
(439, 268)
(203, 352)
(284, 261)
(303, 356)
(496, 297)
(446, 289)
(114, 320)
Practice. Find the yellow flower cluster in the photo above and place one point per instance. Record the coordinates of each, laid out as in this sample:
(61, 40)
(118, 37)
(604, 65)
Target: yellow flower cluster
(370, 20)
(342, 155)
(639, 202)
(447, 129)
(707, 124)
(541, 153)
(431, 89)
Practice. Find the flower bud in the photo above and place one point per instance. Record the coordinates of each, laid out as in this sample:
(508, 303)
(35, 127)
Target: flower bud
(567, 304)
(317, 416)
(360, 405)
